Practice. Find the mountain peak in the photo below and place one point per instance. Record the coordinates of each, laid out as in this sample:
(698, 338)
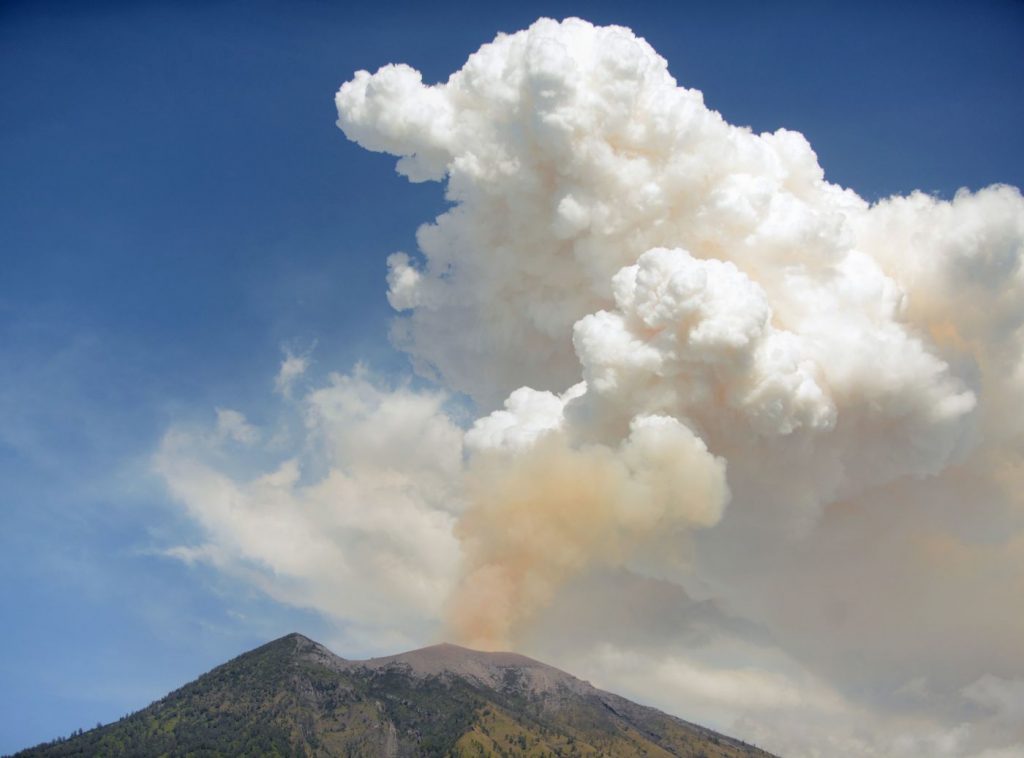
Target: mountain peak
(292, 638)
(493, 670)
(293, 696)
(293, 644)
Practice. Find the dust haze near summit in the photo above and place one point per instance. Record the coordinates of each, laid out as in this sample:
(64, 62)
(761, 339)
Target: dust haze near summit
(784, 421)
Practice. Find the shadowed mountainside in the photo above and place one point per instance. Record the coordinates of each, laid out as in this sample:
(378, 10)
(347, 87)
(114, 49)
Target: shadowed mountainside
(293, 697)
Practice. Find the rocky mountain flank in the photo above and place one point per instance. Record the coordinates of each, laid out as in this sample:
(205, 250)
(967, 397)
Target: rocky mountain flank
(294, 697)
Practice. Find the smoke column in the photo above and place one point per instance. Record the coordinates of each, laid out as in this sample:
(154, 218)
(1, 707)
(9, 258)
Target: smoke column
(685, 317)
(747, 444)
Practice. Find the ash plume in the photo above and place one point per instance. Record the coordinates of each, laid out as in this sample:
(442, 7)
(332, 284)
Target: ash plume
(780, 423)
(736, 320)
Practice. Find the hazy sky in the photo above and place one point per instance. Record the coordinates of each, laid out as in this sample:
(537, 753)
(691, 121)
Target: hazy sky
(180, 214)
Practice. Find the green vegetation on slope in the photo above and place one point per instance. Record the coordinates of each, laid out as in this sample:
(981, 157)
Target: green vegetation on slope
(291, 697)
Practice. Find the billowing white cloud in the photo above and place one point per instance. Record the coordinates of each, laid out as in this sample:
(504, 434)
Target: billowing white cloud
(701, 366)
(358, 524)
(847, 377)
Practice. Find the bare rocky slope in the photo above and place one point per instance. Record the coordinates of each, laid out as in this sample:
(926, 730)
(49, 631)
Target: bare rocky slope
(294, 697)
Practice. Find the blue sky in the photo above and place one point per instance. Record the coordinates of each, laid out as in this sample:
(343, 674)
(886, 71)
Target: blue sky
(177, 208)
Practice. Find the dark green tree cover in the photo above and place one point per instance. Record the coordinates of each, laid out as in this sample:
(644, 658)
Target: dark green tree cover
(291, 697)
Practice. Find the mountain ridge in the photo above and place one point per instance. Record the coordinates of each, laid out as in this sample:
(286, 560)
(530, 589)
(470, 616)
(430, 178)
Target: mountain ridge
(295, 697)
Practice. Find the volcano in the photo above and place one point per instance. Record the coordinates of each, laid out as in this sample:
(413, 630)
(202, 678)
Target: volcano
(294, 697)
